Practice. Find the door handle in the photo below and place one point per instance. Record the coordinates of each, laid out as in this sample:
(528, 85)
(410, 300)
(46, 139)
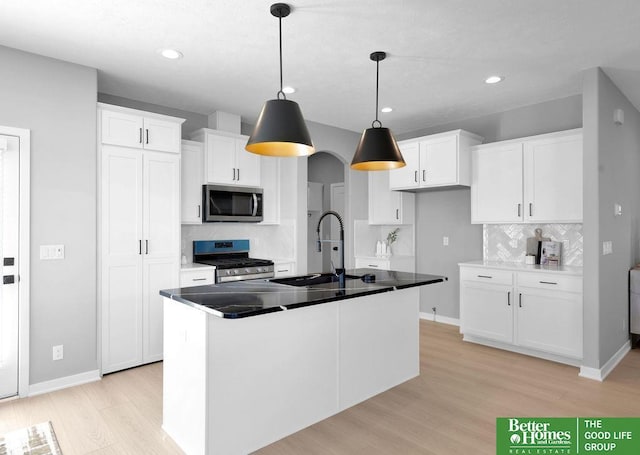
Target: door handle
(424, 175)
(198, 211)
(146, 247)
(238, 174)
(254, 210)
(147, 131)
(234, 173)
(485, 276)
(509, 298)
(415, 176)
(139, 246)
(519, 206)
(140, 139)
(397, 214)
(199, 279)
(520, 300)
(530, 209)
(335, 248)
(372, 265)
(8, 279)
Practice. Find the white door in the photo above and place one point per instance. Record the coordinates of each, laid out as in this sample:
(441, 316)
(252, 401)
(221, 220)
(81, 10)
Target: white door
(439, 161)
(487, 311)
(9, 209)
(221, 159)
(496, 184)
(122, 250)
(337, 205)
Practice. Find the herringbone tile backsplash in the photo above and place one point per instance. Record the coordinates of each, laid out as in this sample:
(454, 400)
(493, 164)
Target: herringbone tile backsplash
(508, 242)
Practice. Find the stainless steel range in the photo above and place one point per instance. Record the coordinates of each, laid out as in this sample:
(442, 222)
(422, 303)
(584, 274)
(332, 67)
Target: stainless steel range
(232, 261)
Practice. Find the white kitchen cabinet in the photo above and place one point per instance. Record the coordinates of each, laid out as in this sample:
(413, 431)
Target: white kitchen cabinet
(132, 128)
(438, 160)
(535, 313)
(191, 164)
(197, 275)
(386, 206)
(397, 262)
(549, 313)
(529, 180)
(283, 269)
(226, 161)
(139, 250)
(270, 177)
(486, 306)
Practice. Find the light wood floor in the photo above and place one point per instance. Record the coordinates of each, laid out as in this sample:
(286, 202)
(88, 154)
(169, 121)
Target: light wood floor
(450, 408)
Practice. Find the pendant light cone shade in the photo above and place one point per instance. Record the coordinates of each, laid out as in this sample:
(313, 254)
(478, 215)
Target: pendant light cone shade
(377, 149)
(280, 131)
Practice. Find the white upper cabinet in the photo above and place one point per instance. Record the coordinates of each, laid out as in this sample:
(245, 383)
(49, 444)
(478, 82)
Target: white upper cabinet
(226, 161)
(270, 177)
(192, 162)
(131, 128)
(435, 161)
(531, 180)
(386, 206)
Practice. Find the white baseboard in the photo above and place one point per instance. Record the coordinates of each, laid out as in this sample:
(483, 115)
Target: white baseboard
(438, 318)
(63, 383)
(600, 374)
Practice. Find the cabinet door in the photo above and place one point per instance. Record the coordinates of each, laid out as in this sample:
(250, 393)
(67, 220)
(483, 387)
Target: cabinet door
(270, 177)
(220, 159)
(385, 206)
(192, 160)
(247, 165)
(161, 202)
(439, 162)
(407, 177)
(486, 311)
(120, 257)
(496, 184)
(553, 179)
(283, 269)
(119, 128)
(161, 135)
(550, 321)
(158, 273)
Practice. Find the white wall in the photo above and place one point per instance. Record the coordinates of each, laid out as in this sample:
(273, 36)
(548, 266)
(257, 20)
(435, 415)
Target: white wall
(57, 102)
(611, 170)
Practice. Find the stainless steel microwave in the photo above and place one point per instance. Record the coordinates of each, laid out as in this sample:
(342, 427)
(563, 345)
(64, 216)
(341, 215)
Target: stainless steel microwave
(232, 203)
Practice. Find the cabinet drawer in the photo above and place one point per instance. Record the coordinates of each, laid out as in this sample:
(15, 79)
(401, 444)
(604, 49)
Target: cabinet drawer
(551, 281)
(486, 275)
(283, 269)
(196, 277)
(373, 263)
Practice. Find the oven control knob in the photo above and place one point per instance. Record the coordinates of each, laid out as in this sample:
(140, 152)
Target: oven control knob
(260, 270)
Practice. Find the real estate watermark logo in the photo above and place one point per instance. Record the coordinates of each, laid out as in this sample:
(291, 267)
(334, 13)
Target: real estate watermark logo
(567, 435)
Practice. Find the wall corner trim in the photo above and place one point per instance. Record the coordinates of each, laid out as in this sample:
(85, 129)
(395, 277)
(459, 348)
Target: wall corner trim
(441, 319)
(600, 374)
(63, 383)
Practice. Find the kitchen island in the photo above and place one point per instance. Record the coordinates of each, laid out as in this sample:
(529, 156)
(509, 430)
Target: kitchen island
(248, 363)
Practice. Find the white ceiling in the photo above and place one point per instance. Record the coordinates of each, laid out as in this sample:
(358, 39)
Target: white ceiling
(440, 51)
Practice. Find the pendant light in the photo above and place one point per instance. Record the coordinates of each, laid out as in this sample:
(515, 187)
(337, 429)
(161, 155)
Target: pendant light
(377, 149)
(280, 130)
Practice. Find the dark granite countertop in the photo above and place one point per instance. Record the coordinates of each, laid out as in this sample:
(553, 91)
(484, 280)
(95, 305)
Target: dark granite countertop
(250, 298)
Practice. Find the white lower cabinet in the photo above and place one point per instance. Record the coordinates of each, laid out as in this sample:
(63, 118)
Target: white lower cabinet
(397, 263)
(535, 313)
(283, 269)
(197, 276)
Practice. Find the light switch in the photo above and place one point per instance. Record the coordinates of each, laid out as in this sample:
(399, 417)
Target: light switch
(617, 209)
(607, 247)
(445, 241)
(51, 252)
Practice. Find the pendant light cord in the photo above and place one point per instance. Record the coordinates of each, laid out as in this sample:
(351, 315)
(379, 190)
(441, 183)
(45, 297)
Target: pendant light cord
(377, 85)
(281, 92)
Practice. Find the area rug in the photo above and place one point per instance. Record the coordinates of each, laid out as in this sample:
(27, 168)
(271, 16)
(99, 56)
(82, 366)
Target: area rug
(36, 440)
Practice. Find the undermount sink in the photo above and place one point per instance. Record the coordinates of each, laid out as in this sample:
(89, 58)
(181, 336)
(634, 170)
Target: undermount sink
(310, 280)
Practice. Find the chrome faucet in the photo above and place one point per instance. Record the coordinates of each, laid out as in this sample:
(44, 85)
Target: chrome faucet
(339, 272)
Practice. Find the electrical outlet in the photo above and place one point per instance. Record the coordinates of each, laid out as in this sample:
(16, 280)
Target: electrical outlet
(445, 241)
(51, 251)
(58, 353)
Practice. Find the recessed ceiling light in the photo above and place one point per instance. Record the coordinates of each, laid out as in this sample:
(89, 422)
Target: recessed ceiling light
(288, 90)
(172, 54)
(494, 79)
(386, 109)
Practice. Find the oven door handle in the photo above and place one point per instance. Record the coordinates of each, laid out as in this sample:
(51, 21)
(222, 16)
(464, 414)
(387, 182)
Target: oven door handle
(254, 211)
